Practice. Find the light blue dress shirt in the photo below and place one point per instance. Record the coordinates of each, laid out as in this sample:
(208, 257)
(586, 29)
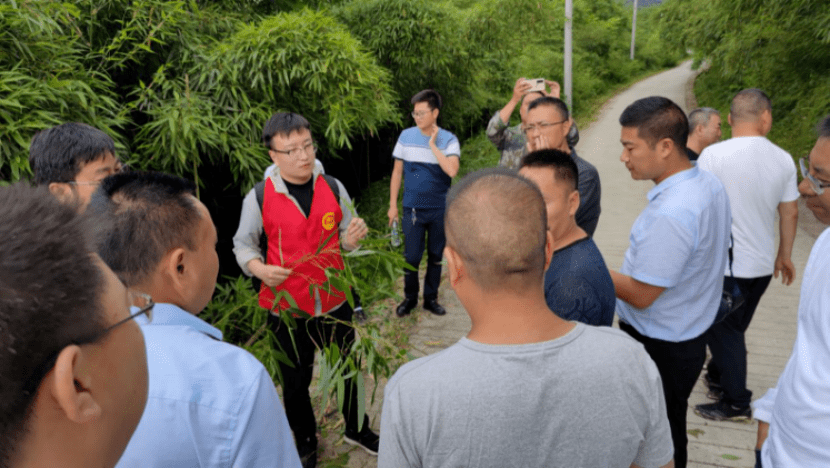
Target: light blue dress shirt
(680, 243)
(209, 404)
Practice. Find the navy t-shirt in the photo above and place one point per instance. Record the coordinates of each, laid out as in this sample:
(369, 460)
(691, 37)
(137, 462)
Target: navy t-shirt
(425, 183)
(579, 286)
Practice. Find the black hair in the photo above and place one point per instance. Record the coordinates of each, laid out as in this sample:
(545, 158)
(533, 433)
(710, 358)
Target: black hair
(58, 153)
(749, 104)
(560, 162)
(283, 124)
(50, 296)
(431, 97)
(139, 217)
(657, 118)
(551, 101)
(496, 221)
(823, 128)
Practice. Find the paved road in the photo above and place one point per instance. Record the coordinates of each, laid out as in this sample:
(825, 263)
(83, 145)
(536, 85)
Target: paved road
(772, 332)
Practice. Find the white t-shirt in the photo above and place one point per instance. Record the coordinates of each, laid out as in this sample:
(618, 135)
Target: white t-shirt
(758, 175)
(798, 408)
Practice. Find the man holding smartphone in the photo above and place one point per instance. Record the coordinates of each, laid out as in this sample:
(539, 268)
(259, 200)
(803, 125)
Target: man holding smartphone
(511, 141)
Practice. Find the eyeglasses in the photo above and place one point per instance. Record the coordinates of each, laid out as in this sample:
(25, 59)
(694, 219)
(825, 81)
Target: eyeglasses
(420, 114)
(137, 299)
(295, 153)
(539, 126)
(816, 185)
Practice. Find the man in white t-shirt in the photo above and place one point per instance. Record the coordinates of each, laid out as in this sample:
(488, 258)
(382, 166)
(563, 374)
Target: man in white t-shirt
(761, 181)
(524, 387)
(798, 408)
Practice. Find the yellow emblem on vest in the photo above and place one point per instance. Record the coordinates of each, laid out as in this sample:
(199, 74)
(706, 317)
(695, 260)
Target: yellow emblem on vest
(328, 221)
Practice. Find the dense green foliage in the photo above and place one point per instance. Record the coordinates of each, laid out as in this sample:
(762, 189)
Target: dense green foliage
(781, 47)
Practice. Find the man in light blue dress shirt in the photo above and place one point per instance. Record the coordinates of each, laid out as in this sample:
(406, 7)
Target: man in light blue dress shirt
(210, 404)
(670, 284)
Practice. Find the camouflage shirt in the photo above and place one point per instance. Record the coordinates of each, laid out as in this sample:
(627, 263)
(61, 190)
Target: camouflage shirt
(510, 141)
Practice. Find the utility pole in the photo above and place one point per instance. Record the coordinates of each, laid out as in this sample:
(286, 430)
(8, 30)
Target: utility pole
(567, 55)
(633, 39)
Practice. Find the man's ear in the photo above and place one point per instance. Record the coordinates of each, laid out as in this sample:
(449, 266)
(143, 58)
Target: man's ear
(62, 191)
(455, 266)
(177, 271)
(665, 147)
(70, 386)
(574, 202)
(730, 122)
(567, 126)
(550, 248)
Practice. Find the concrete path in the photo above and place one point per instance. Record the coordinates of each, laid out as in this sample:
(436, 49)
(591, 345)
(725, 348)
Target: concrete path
(772, 331)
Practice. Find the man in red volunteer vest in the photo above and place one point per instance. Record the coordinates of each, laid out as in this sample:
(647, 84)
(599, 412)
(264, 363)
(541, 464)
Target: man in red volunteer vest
(306, 219)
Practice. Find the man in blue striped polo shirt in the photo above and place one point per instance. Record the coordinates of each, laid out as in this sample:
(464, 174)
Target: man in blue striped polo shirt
(427, 158)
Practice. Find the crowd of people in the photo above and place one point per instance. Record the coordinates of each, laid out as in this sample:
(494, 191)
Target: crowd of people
(104, 272)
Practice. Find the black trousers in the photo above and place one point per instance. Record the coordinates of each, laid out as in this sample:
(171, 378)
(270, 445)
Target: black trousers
(311, 331)
(726, 339)
(679, 366)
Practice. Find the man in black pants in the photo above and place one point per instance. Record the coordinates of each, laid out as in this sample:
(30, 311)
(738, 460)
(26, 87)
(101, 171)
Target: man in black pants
(671, 280)
(305, 217)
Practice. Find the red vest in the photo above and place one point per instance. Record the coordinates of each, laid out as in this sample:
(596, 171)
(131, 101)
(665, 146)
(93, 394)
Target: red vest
(307, 246)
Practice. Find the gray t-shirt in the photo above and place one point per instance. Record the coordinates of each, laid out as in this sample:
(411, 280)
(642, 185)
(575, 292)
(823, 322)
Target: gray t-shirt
(592, 398)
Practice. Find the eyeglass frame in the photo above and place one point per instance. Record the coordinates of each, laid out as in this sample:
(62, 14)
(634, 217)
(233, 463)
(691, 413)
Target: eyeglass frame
(420, 114)
(817, 186)
(31, 384)
(299, 150)
(539, 126)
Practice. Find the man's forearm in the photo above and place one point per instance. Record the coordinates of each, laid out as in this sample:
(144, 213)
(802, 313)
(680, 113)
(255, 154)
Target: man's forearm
(788, 229)
(395, 185)
(507, 110)
(634, 292)
(447, 163)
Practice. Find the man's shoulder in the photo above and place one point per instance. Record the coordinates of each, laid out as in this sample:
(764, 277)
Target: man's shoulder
(410, 135)
(584, 166)
(611, 346)
(185, 356)
(426, 368)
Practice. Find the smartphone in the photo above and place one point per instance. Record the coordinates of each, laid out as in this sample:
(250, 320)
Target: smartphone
(537, 84)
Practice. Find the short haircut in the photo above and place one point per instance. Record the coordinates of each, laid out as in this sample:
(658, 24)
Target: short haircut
(496, 221)
(139, 217)
(58, 153)
(560, 162)
(700, 116)
(431, 97)
(283, 124)
(657, 118)
(50, 297)
(551, 101)
(749, 104)
(823, 128)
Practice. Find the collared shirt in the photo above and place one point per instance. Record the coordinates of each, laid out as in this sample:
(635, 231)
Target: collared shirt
(679, 242)
(798, 408)
(209, 403)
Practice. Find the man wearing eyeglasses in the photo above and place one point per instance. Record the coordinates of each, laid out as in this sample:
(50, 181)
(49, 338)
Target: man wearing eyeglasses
(794, 416)
(209, 403)
(71, 160)
(761, 181)
(72, 361)
(426, 158)
(547, 126)
(306, 218)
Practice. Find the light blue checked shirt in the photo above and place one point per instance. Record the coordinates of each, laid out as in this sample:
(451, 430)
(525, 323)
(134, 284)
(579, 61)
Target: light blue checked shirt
(209, 403)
